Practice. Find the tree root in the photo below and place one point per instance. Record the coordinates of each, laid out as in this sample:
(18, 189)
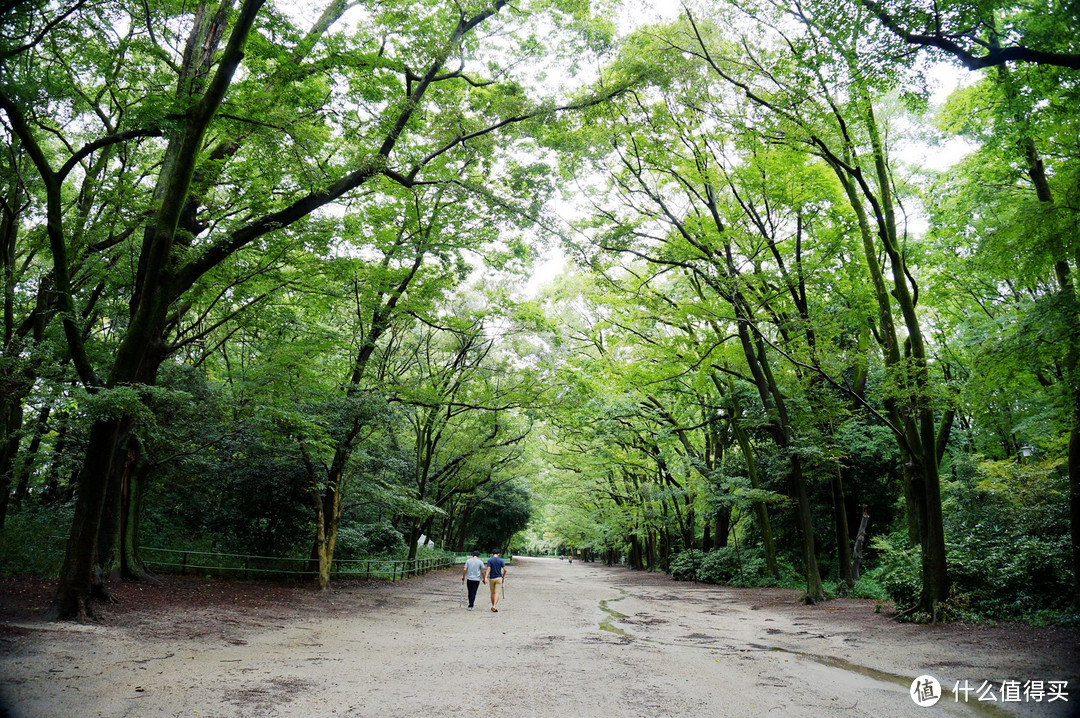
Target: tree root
(98, 592)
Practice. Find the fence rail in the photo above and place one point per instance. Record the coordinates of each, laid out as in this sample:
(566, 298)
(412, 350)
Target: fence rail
(244, 566)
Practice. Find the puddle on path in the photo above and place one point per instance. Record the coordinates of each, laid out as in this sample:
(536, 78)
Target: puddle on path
(985, 710)
(980, 708)
(608, 623)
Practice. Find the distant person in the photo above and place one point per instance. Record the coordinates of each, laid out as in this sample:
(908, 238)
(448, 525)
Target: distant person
(472, 573)
(494, 575)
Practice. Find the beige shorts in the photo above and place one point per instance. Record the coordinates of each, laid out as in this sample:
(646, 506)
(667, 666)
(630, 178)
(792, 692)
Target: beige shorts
(495, 583)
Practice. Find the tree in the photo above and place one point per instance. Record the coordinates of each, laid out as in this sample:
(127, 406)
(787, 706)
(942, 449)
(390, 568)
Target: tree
(1021, 178)
(985, 34)
(202, 164)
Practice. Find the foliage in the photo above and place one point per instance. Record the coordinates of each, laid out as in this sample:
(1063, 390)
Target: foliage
(294, 307)
(1008, 544)
(898, 568)
(367, 540)
(686, 566)
(32, 543)
(723, 566)
(729, 567)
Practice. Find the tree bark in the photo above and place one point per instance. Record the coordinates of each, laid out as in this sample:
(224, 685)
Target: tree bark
(73, 591)
(843, 548)
(856, 562)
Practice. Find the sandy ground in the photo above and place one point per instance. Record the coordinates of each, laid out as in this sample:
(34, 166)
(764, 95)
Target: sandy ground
(573, 641)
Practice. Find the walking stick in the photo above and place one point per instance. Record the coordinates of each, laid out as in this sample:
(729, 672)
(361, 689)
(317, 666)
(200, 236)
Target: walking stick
(461, 594)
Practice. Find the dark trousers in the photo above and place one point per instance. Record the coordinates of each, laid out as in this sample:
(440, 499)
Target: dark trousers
(473, 585)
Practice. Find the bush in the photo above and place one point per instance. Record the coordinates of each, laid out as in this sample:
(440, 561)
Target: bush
(686, 566)
(32, 541)
(720, 566)
(899, 569)
(1007, 545)
(869, 586)
(368, 540)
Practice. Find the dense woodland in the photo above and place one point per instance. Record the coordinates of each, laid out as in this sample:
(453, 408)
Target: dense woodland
(265, 289)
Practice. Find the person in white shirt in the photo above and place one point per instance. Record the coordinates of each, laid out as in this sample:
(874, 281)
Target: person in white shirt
(471, 574)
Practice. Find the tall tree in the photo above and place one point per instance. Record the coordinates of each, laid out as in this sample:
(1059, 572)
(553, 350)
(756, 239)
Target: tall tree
(202, 166)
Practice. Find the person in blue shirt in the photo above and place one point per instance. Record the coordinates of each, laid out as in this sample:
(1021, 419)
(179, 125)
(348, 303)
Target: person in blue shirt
(494, 575)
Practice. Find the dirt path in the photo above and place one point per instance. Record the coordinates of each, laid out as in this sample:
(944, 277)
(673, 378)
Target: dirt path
(575, 640)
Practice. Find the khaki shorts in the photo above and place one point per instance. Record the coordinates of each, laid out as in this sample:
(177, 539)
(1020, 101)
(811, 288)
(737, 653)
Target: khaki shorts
(495, 583)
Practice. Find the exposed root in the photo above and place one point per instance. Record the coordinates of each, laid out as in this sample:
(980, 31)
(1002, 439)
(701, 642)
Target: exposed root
(98, 591)
(69, 608)
(141, 573)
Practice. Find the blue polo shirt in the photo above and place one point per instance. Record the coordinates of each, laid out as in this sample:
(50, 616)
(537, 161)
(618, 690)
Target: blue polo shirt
(495, 567)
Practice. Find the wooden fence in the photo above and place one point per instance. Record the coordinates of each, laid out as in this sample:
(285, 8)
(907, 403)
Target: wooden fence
(207, 563)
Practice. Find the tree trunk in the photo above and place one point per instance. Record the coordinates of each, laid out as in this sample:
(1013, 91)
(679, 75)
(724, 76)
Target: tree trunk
(843, 548)
(779, 427)
(137, 483)
(760, 509)
(1074, 505)
(320, 541)
(26, 464)
(634, 559)
(413, 538)
(156, 287)
(12, 418)
(856, 562)
(723, 528)
(73, 590)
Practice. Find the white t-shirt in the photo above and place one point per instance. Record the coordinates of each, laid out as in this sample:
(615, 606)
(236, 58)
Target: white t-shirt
(474, 568)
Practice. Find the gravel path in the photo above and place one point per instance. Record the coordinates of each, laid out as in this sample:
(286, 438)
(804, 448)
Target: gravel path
(571, 641)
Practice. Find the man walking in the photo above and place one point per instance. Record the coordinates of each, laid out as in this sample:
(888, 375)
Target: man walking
(471, 574)
(494, 575)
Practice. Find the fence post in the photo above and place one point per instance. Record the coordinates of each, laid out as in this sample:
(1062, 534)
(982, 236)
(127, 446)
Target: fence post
(183, 565)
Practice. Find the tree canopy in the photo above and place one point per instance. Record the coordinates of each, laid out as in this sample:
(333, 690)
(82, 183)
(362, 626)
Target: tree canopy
(264, 275)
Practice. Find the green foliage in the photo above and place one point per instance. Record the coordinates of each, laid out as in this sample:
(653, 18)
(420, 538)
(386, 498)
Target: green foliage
(722, 566)
(731, 567)
(899, 568)
(1008, 543)
(31, 543)
(725, 282)
(868, 586)
(369, 540)
(686, 566)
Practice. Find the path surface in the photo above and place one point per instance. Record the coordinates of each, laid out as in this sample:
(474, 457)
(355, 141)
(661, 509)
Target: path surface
(571, 641)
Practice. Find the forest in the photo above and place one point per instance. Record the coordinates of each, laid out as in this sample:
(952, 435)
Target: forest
(277, 281)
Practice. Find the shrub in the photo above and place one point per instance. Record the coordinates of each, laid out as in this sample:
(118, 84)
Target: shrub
(32, 541)
(367, 540)
(1005, 560)
(869, 586)
(687, 565)
(720, 565)
(899, 569)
